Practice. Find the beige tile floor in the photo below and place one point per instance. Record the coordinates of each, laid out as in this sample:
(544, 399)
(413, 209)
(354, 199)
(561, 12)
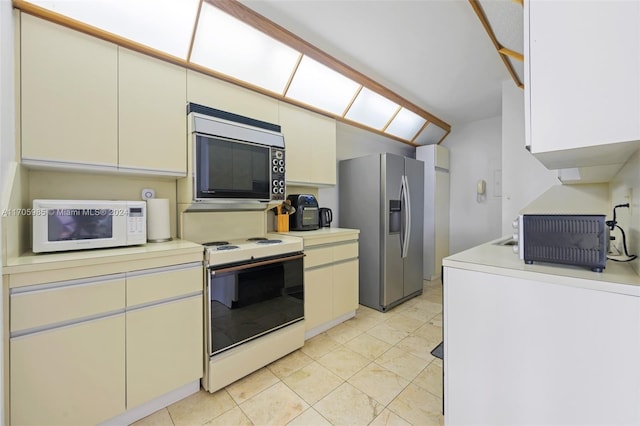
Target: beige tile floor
(373, 369)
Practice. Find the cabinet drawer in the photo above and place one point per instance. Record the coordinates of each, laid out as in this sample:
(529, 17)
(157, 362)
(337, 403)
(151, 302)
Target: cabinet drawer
(318, 256)
(65, 301)
(345, 251)
(163, 283)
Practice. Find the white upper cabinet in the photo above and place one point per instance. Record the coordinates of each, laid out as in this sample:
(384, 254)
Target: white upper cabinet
(87, 104)
(152, 113)
(582, 81)
(310, 141)
(69, 95)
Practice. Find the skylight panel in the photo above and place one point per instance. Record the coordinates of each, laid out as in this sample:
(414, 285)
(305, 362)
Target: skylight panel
(227, 45)
(164, 25)
(430, 135)
(371, 109)
(322, 87)
(406, 124)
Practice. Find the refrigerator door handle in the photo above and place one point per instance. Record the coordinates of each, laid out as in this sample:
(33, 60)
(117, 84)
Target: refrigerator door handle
(408, 213)
(406, 217)
(403, 224)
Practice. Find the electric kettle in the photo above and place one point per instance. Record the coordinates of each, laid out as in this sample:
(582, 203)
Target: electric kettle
(325, 216)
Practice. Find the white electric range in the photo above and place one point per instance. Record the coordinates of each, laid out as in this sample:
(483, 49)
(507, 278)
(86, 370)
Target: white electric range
(250, 249)
(254, 308)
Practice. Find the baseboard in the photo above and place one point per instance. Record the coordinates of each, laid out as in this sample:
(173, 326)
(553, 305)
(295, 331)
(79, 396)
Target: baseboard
(327, 325)
(141, 411)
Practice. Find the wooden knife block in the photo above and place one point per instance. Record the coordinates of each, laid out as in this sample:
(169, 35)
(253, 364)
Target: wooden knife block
(282, 223)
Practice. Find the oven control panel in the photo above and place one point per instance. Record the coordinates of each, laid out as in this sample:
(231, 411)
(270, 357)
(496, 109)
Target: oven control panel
(277, 173)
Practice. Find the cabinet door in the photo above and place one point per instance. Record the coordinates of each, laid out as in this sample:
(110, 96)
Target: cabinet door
(310, 141)
(208, 91)
(318, 296)
(68, 95)
(152, 114)
(539, 344)
(73, 375)
(584, 74)
(164, 348)
(345, 287)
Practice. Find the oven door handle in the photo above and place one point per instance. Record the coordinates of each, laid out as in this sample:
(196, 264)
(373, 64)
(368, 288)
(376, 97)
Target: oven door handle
(252, 265)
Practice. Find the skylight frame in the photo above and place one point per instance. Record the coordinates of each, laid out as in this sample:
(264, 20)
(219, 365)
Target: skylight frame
(240, 12)
(406, 124)
(335, 93)
(372, 109)
(169, 31)
(249, 55)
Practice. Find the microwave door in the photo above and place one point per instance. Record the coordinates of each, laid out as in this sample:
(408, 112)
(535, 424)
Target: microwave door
(229, 169)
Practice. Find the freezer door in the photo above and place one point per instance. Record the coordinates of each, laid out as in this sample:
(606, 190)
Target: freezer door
(393, 223)
(413, 273)
(360, 188)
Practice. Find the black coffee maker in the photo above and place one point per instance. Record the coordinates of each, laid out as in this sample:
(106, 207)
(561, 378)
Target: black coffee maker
(306, 216)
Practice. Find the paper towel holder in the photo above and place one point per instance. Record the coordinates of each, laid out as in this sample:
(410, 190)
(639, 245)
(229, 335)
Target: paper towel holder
(158, 221)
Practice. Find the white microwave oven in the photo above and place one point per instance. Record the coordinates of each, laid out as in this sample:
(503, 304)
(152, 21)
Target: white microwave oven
(61, 225)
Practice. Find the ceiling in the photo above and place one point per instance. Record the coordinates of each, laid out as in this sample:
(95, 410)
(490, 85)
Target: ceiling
(434, 53)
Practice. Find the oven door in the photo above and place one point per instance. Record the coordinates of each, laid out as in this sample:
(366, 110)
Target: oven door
(251, 299)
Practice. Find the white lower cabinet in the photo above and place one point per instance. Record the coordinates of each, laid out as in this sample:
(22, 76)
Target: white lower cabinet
(345, 287)
(318, 297)
(164, 333)
(72, 375)
(87, 350)
(330, 284)
(66, 351)
(528, 351)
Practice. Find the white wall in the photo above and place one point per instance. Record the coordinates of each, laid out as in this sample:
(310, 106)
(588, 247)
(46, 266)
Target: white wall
(7, 131)
(474, 154)
(524, 178)
(354, 142)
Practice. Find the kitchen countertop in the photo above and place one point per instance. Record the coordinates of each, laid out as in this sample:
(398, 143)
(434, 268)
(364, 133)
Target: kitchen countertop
(325, 235)
(31, 262)
(618, 277)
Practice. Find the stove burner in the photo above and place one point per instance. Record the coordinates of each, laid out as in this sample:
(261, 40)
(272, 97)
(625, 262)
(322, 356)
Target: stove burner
(256, 239)
(216, 243)
(265, 241)
(226, 247)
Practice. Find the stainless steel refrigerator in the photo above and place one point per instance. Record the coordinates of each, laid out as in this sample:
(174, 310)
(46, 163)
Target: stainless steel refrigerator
(382, 195)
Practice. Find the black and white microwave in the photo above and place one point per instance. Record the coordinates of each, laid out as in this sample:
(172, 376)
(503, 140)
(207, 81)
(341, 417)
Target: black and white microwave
(61, 225)
(235, 158)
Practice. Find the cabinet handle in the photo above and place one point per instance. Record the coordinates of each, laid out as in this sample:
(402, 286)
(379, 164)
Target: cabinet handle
(164, 301)
(68, 323)
(61, 284)
(164, 269)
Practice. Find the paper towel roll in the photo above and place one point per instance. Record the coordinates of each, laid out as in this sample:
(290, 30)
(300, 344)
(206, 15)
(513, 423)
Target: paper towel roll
(158, 227)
